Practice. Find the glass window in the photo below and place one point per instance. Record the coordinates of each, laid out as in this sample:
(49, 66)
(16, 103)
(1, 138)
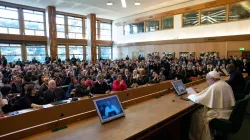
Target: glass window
(60, 26)
(106, 52)
(9, 23)
(75, 27)
(36, 51)
(152, 25)
(138, 27)
(128, 29)
(105, 31)
(97, 38)
(168, 22)
(88, 53)
(12, 52)
(190, 19)
(213, 15)
(86, 29)
(240, 10)
(77, 51)
(34, 22)
(61, 50)
(97, 52)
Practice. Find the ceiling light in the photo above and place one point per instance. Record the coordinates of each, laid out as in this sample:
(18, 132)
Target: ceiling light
(109, 3)
(124, 5)
(137, 3)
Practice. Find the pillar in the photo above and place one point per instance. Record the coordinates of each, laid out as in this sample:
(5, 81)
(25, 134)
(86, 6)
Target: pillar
(91, 20)
(51, 32)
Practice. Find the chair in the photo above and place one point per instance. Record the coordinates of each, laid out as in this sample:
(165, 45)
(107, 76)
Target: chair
(233, 124)
(247, 88)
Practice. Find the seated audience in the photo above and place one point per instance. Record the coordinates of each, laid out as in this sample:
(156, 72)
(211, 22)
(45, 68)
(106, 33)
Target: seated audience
(100, 87)
(24, 73)
(71, 86)
(17, 85)
(81, 89)
(32, 99)
(53, 93)
(154, 78)
(119, 84)
(44, 85)
(89, 82)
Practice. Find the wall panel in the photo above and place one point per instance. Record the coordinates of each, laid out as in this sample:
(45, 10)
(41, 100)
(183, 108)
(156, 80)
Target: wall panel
(221, 47)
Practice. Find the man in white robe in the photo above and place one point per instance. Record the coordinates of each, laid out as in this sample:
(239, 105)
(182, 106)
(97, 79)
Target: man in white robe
(217, 100)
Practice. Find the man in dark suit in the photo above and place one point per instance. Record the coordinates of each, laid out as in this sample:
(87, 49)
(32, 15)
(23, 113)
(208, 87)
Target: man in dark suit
(17, 85)
(53, 93)
(81, 89)
(236, 81)
(100, 87)
(245, 67)
(127, 78)
(44, 86)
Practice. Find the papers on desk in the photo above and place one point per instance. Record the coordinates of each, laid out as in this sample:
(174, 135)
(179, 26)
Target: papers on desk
(48, 105)
(190, 91)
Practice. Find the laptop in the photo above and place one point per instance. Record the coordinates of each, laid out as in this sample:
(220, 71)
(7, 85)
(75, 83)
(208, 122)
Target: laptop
(109, 108)
(181, 89)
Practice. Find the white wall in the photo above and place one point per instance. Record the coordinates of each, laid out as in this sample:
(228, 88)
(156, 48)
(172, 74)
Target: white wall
(220, 29)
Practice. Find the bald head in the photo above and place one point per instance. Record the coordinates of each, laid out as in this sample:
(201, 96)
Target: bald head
(230, 68)
(52, 84)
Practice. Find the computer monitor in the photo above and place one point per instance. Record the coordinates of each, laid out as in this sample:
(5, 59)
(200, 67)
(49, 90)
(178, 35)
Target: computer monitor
(179, 87)
(109, 108)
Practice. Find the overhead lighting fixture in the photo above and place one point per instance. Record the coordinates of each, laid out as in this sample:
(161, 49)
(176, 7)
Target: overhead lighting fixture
(124, 5)
(109, 3)
(137, 3)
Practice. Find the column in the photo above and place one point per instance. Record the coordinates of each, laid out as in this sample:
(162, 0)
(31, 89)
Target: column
(91, 20)
(51, 31)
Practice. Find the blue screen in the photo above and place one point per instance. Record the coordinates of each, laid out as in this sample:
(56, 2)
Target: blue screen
(109, 107)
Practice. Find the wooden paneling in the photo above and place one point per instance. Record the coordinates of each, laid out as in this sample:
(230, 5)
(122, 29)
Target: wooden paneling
(21, 38)
(234, 53)
(104, 43)
(92, 35)
(51, 31)
(179, 11)
(190, 40)
(222, 48)
(72, 41)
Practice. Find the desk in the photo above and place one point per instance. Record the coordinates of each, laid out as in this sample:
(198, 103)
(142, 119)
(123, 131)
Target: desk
(140, 115)
(139, 120)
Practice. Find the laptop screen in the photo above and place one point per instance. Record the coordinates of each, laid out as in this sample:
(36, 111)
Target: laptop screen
(179, 87)
(109, 108)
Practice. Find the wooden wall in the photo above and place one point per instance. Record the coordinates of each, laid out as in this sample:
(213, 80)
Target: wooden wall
(222, 47)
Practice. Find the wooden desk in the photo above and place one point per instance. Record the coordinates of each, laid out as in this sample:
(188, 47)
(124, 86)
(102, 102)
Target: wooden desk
(46, 119)
(139, 119)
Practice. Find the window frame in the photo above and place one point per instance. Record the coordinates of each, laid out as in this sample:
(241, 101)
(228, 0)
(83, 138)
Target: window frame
(38, 22)
(106, 29)
(64, 24)
(80, 26)
(10, 46)
(4, 7)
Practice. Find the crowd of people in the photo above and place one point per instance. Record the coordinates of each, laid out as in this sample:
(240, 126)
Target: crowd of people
(32, 84)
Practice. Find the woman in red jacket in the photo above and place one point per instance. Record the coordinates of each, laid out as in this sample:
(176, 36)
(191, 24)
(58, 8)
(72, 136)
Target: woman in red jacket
(119, 84)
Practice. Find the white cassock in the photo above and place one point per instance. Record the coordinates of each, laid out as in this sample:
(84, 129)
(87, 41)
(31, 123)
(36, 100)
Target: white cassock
(218, 100)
